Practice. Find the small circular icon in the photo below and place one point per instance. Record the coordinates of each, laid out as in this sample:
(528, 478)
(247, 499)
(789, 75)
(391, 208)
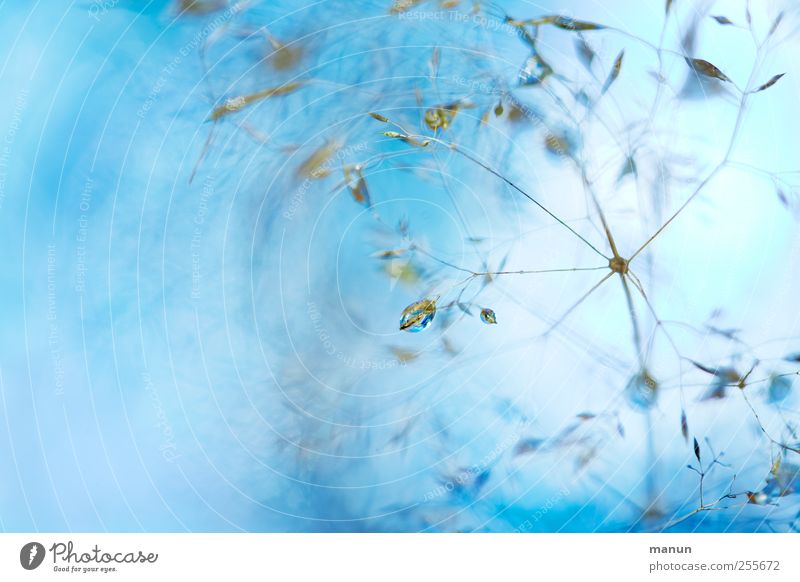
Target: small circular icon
(31, 555)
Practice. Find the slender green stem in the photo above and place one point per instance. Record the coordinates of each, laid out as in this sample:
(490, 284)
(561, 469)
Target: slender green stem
(491, 170)
(578, 302)
(637, 337)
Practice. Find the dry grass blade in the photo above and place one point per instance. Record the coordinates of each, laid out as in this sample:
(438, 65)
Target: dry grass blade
(769, 83)
(707, 69)
(201, 7)
(316, 165)
(775, 24)
(400, 6)
(615, 70)
(562, 22)
(724, 20)
(235, 104)
(566, 23)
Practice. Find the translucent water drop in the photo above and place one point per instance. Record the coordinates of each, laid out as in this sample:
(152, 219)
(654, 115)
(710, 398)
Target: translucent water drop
(487, 316)
(779, 389)
(642, 391)
(418, 315)
(534, 71)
